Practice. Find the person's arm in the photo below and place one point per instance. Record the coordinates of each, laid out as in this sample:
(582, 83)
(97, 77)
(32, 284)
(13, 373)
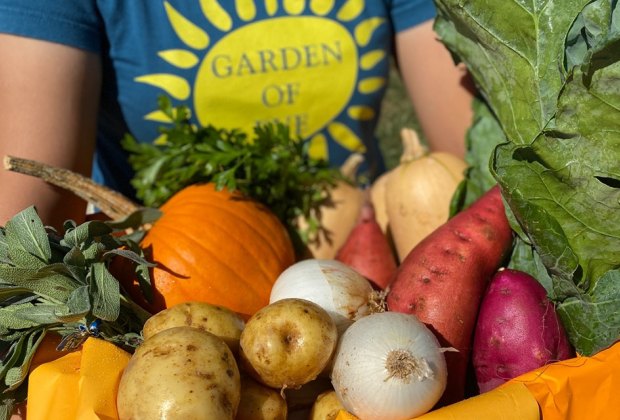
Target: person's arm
(49, 96)
(440, 91)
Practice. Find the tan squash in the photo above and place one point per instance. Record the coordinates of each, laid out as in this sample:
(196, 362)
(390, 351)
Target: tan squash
(338, 215)
(377, 198)
(418, 192)
(76, 385)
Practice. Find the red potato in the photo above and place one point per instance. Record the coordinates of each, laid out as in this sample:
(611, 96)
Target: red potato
(443, 278)
(517, 330)
(367, 249)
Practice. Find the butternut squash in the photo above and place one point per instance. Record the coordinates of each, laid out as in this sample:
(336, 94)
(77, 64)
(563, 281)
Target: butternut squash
(80, 384)
(378, 200)
(418, 192)
(338, 215)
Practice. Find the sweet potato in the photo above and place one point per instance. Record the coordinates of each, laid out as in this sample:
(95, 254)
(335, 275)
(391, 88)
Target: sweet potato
(517, 330)
(443, 278)
(367, 249)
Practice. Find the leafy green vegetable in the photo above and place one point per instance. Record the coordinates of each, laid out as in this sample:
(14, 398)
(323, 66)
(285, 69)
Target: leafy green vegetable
(549, 73)
(272, 167)
(482, 137)
(62, 285)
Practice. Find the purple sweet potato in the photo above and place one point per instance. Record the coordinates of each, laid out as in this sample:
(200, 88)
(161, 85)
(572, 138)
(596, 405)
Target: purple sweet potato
(517, 330)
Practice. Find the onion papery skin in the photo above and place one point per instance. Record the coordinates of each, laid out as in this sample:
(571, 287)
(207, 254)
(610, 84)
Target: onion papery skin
(362, 381)
(331, 284)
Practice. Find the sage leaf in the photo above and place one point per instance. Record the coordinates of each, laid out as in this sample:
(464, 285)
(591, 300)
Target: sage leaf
(11, 320)
(6, 408)
(7, 292)
(4, 248)
(42, 314)
(27, 241)
(130, 255)
(45, 282)
(93, 251)
(105, 293)
(79, 302)
(16, 275)
(85, 232)
(75, 262)
(17, 374)
(14, 355)
(137, 219)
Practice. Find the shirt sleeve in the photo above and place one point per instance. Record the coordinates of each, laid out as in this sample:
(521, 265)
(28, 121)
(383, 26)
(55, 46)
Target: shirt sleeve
(408, 13)
(75, 23)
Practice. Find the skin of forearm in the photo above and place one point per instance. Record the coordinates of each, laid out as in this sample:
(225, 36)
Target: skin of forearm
(49, 97)
(441, 91)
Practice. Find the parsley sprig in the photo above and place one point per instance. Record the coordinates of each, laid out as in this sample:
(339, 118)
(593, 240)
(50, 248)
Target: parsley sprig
(272, 167)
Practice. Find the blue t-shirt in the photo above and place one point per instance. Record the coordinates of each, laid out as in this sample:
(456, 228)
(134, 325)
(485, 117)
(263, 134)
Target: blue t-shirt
(319, 66)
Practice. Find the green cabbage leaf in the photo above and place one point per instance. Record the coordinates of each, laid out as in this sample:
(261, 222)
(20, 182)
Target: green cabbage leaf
(548, 73)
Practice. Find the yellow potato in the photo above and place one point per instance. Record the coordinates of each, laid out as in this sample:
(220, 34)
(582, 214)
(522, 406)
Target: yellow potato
(306, 395)
(180, 373)
(259, 402)
(326, 406)
(288, 343)
(215, 319)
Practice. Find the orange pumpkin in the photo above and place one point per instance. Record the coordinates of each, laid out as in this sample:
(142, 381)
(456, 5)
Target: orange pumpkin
(214, 246)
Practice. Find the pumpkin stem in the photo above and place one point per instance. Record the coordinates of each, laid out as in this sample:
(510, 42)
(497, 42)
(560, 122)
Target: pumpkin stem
(112, 203)
(351, 165)
(412, 148)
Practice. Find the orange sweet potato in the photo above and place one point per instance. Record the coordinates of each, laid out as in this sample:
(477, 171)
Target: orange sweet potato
(443, 278)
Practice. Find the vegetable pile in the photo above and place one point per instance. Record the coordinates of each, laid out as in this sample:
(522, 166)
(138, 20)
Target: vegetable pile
(511, 269)
(443, 278)
(61, 286)
(548, 74)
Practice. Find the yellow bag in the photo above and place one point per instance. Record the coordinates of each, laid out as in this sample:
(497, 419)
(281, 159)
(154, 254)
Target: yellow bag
(513, 402)
(80, 385)
(578, 388)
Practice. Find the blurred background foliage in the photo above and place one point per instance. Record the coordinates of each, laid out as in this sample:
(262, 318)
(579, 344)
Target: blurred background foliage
(396, 113)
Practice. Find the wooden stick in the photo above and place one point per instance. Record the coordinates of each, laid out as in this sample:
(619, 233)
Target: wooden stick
(110, 202)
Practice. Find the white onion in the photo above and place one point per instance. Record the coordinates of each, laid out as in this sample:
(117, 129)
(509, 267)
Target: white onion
(389, 366)
(340, 290)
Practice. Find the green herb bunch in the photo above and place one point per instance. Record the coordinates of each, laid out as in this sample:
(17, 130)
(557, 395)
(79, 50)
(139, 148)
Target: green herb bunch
(61, 284)
(272, 167)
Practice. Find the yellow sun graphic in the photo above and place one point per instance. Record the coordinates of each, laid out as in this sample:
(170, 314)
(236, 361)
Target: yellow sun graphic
(301, 65)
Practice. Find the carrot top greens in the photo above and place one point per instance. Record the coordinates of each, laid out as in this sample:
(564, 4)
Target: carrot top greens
(272, 166)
